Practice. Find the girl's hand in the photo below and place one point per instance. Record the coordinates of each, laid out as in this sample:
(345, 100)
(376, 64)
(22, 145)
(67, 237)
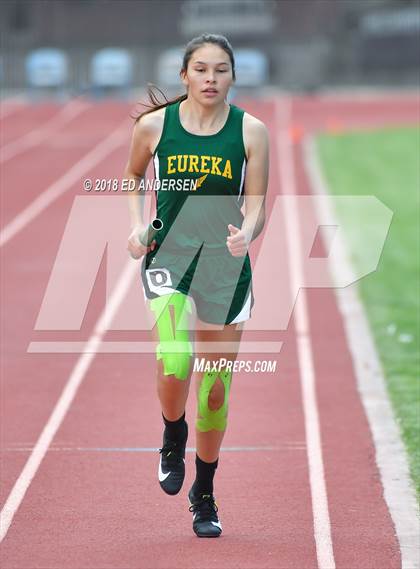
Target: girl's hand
(135, 248)
(237, 241)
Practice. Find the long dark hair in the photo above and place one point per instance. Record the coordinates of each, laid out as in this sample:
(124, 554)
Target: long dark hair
(154, 91)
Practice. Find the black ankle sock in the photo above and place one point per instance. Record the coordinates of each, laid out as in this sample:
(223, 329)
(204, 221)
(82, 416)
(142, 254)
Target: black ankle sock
(175, 429)
(203, 483)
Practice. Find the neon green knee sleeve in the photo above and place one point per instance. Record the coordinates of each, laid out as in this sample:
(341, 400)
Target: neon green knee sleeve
(174, 347)
(209, 419)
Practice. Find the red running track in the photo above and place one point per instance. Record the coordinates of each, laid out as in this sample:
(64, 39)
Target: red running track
(95, 501)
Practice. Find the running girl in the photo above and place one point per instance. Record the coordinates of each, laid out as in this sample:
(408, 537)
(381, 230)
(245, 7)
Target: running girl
(200, 255)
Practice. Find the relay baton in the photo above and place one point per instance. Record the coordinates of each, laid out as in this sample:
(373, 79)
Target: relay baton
(147, 237)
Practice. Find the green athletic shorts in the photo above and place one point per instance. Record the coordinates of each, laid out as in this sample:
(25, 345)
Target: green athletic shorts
(219, 284)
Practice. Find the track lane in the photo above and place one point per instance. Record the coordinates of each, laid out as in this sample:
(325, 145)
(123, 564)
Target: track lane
(27, 176)
(107, 413)
(363, 531)
(25, 117)
(117, 493)
(263, 433)
(31, 383)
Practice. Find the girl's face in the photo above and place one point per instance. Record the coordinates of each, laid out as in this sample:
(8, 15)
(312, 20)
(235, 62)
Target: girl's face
(209, 75)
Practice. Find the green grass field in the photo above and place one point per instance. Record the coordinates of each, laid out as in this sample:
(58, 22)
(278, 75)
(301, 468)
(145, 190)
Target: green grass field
(386, 163)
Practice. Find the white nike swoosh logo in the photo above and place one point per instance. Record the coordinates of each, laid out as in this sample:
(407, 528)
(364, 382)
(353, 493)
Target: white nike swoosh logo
(217, 524)
(161, 475)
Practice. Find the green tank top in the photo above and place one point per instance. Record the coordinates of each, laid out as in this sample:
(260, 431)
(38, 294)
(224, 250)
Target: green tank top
(202, 183)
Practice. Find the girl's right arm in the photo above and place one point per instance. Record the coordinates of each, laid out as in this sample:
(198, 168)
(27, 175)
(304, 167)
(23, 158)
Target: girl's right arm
(146, 134)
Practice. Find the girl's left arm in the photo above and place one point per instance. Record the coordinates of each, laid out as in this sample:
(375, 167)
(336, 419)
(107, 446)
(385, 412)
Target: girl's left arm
(255, 187)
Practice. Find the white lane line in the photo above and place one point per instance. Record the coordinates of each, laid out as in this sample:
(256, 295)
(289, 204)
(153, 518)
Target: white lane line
(65, 182)
(10, 106)
(391, 456)
(63, 404)
(65, 115)
(285, 446)
(285, 161)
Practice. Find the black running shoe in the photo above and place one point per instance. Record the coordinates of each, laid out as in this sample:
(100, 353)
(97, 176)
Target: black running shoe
(206, 522)
(172, 464)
